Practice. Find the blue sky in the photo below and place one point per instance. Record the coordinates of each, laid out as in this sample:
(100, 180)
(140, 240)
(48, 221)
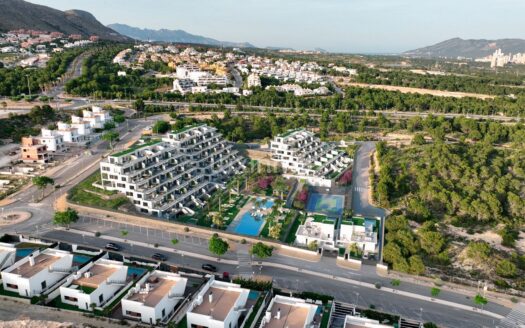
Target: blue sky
(365, 26)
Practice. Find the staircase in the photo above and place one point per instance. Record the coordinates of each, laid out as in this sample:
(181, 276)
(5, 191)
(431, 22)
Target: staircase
(339, 312)
(407, 323)
(515, 318)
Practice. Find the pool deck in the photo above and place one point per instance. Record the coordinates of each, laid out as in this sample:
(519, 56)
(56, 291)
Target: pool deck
(237, 220)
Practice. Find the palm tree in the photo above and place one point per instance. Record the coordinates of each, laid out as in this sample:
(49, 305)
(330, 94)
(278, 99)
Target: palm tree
(41, 182)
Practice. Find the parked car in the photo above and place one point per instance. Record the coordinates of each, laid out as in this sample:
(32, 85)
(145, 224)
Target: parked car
(113, 247)
(159, 257)
(209, 267)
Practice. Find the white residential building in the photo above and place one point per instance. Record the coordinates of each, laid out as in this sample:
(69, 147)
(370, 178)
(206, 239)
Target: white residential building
(359, 231)
(96, 283)
(183, 86)
(254, 81)
(52, 139)
(37, 272)
(217, 305)
(7, 255)
(83, 127)
(319, 229)
(97, 117)
(154, 297)
(289, 312)
(358, 322)
(199, 77)
(303, 155)
(171, 176)
(69, 133)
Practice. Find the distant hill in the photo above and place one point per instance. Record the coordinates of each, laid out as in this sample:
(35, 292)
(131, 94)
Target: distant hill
(457, 47)
(177, 36)
(19, 14)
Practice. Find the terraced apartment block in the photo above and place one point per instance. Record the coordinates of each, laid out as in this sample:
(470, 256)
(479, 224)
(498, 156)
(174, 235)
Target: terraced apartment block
(303, 155)
(173, 175)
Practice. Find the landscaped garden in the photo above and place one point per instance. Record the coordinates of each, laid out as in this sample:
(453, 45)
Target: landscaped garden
(86, 194)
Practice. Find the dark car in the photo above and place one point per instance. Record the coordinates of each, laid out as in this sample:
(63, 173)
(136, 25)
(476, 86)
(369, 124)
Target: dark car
(159, 257)
(113, 247)
(209, 267)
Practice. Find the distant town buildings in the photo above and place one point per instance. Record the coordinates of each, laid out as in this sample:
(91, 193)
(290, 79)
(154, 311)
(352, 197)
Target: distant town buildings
(254, 81)
(500, 59)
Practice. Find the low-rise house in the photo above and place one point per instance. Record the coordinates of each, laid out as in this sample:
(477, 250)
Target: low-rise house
(52, 139)
(37, 272)
(217, 305)
(359, 231)
(70, 133)
(319, 229)
(288, 312)
(358, 322)
(154, 297)
(7, 255)
(31, 151)
(94, 285)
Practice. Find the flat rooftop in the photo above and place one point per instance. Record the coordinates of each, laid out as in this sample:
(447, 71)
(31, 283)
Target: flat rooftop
(42, 261)
(99, 274)
(292, 316)
(222, 303)
(158, 291)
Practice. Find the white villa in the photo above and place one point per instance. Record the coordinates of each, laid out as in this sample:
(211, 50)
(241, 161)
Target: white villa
(37, 272)
(52, 139)
(358, 322)
(304, 156)
(288, 312)
(80, 130)
(317, 228)
(7, 255)
(171, 176)
(94, 284)
(154, 297)
(217, 305)
(359, 231)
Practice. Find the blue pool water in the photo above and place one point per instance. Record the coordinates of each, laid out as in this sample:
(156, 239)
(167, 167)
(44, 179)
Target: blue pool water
(81, 259)
(253, 295)
(250, 225)
(331, 205)
(23, 252)
(134, 270)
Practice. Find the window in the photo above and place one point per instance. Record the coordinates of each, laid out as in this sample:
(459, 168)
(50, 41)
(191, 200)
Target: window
(101, 298)
(163, 313)
(71, 299)
(12, 286)
(133, 314)
(43, 284)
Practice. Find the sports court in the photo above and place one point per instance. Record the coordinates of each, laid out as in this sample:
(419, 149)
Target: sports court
(330, 205)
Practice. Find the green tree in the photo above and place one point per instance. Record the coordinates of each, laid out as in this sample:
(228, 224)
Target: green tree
(139, 105)
(480, 300)
(280, 186)
(418, 139)
(432, 242)
(218, 246)
(110, 136)
(395, 282)
(506, 269)
(41, 182)
(313, 245)
(478, 250)
(275, 230)
(161, 127)
(65, 218)
(416, 265)
(109, 126)
(174, 241)
(261, 250)
(124, 233)
(434, 291)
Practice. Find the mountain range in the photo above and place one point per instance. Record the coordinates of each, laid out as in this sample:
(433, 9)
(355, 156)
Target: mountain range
(458, 47)
(177, 36)
(19, 14)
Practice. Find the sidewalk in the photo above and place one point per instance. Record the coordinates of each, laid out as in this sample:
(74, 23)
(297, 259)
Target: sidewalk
(301, 270)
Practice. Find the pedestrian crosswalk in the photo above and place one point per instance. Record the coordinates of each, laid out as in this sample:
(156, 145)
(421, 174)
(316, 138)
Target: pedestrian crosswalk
(515, 318)
(245, 262)
(360, 189)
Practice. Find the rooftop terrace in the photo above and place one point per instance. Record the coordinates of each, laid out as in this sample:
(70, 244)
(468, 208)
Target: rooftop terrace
(137, 146)
(158, 290)
(98, 274)
(222, 303)
(42, 261)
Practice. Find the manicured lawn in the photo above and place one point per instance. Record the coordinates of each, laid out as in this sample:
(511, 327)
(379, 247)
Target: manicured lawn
(256, 307)
(293, 230)
(326, 317)
(80, 194)
(57, 303)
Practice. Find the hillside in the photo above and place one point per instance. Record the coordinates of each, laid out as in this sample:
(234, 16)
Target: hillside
(177, 36)
(19, 14)
(457, 47)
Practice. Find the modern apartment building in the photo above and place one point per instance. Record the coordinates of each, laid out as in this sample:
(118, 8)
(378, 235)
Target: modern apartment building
(288, 312)
(303, 155)
(154, 297)
(169, 176)
(53, 140)
(217, 305)
(94, 284)
(37, 272)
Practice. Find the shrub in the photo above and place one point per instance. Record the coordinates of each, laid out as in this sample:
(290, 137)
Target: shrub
(186, 229)
(156, 245)
(378, 285)
(97, 234)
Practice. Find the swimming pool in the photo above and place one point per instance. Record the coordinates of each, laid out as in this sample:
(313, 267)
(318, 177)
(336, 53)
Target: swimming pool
(250, 225)
(331, 205)
(23, 252)
(81, 259)
(135, 271)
